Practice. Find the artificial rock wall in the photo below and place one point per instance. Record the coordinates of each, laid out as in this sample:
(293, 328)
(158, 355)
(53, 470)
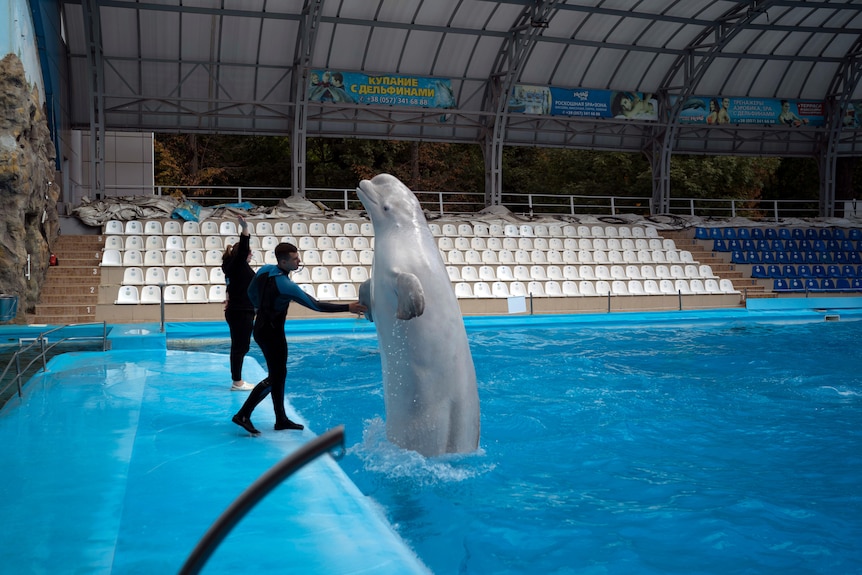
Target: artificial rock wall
(29, 223)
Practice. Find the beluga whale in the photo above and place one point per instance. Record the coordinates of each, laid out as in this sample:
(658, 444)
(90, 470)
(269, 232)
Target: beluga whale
(429, 380)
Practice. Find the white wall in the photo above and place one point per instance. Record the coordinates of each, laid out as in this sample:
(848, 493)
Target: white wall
(128, 165)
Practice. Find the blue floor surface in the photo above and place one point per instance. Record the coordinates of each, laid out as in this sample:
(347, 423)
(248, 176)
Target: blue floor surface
(119, 462)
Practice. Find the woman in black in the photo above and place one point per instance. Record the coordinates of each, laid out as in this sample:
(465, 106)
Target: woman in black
(238, 309)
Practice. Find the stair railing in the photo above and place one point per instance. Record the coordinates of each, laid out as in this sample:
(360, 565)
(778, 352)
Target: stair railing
(42, 342)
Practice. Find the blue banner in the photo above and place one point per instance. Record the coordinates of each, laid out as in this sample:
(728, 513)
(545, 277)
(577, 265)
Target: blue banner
(543, 100)
(713, 110)
(391, 90)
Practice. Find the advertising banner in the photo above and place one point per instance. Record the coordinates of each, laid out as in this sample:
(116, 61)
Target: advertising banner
(391, 90)
(713, 110)
(544, 100)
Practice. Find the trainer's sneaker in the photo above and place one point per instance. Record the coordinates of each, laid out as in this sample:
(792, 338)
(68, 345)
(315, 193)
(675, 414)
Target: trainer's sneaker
(245, 423)
(241, 386)
(287, 424)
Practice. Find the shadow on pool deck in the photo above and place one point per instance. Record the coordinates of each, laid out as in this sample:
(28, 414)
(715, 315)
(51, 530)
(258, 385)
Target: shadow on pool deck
(119, 461)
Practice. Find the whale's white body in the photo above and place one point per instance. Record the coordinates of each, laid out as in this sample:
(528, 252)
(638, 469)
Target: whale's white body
(429, 381)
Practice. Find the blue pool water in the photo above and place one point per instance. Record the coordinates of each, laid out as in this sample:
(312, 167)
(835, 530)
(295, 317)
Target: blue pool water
(733, 448)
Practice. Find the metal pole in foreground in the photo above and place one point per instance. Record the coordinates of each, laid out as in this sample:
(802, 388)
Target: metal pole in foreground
(257, 491)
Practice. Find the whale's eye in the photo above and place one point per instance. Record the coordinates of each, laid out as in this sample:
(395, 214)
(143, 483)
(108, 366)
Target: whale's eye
(385, 207)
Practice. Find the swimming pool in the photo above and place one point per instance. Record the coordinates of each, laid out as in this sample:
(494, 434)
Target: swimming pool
(702, 447)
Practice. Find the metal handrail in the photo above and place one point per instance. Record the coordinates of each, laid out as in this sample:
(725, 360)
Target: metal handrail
(530, 204)
(257, 491)
(42, 342)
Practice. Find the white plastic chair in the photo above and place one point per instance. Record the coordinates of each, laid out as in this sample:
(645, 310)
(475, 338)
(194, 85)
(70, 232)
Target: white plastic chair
(351, 229)
(463, 290)
(134, 243)
(478, 244)
(134, 228)
(114, 227)
(603, 287)
(536, 289)
(683, 287)
(177, 275)
(154, 243)
(216, 276)
(570, 289)
(133, 276)
(366, 257)
(469, 274)
(172, 227)
(361, 243)
(153, 228)
(666, 287)
(587, 288)
(281, 229)
(151, 294)
(198, 275)
(346, 292)
(155, 276)
(196, 294)
(553, 288)
(311, 257)
(366, 229)
(326, 292)
(263, 228)
(191, 228)
(209, 228)
(316, 229)
(175, 294)
(217, 293)
(499, 289)
(112, 258)
(325, 243)
(651, 287)
(504, 274)
(299, 229)
(518, 289)
(114, 243)
(487, 274)
(482, 290)
(196, 257)
(127, 295)
(211, 243)
(133, 258)
(358, 274)
(339, 274)
(571, 273)
(619, 287)
(195, 243)
(726, 286)
(454, 273)
(320, 274)
(711, 286)
(175, 242)
(210, 258)
(227, 228)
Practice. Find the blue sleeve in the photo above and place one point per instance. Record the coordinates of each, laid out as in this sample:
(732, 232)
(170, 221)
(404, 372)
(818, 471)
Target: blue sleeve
(291, 291)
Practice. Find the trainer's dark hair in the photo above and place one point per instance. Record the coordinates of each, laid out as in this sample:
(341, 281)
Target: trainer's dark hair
(283, 250)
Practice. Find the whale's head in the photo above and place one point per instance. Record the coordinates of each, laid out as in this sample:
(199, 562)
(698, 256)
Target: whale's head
(390, 204)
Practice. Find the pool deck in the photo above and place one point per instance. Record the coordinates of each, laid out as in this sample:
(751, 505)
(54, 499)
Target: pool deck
(119, 462)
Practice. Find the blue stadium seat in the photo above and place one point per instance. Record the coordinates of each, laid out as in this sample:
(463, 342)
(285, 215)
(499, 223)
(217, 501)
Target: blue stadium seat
(738, 257)
(757, 234)
(743, 234)
(848, 271)
(791, 245)
(811, 234)
(859, 271)
(719, 245)
(827, 284)
(854, 234)
(818, 245)
(729, 233)
(825, 234)
(833, 245)
(804, 245)
(748, 245)
(839, 258)
(854, 258)
(797, 257)
(812, 284)
(789, 271)
(715, 233)
(797, 234)
(838, 234)
(826, 257)
(762, 245)
(767, 257)
(856, 284)
(773, 271)
(734, 245)
(782, 258)
(795, 284)
(834, 271)
(770, 234)
(818, 271)
(843, 284)
(701, 233)
(812, 257)
(803, 271)
(776, 245)
(753, 257)
(784, 234)
(847, 246)
(759, 271)
(780, 285)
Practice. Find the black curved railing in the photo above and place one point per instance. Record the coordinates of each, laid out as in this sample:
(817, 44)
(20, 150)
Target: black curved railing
(257, 491)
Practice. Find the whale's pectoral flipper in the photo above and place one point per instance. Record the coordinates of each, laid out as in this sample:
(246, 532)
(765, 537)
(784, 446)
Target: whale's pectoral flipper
(365, 298)
(411, 297)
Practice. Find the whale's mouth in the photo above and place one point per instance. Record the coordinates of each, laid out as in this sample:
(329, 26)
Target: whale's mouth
(365, 195)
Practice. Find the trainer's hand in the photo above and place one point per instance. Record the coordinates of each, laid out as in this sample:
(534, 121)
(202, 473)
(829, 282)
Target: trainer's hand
(356, 307)
(243, 225)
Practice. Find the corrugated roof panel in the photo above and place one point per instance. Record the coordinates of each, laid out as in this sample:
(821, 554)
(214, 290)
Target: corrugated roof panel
(278, 39)
(121, 38)
(239, 39)
(419, 52)
(195, 33)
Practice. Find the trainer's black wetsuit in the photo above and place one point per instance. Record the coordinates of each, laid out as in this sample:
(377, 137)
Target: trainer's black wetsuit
(271, 292)
(239, 311)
